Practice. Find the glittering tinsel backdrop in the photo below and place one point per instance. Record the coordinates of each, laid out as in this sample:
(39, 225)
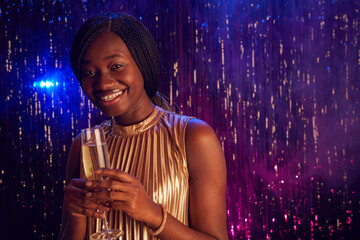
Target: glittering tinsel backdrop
(277, 80)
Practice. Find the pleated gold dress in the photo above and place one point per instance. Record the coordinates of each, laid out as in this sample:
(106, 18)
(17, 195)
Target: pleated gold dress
(154, 152)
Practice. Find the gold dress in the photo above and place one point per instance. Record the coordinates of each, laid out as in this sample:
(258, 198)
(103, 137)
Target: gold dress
(154, 152)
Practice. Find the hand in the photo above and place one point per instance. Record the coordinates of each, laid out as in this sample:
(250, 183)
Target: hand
(78, 205)
(125, 193)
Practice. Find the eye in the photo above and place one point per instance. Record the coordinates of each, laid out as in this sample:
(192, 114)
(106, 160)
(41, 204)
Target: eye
(89, 73)
(116, 66)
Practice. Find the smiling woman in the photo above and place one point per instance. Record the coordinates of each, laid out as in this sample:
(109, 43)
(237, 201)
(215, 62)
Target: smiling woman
(112, 80)
(168, 173)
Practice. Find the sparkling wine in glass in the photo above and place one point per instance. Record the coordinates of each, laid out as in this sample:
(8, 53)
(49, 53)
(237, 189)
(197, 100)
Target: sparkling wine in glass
(94, 156)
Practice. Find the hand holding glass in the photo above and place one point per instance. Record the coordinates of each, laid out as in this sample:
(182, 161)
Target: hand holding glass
(95, 156)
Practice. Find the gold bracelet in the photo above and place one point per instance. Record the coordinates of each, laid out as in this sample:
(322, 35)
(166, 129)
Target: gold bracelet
(162, 225)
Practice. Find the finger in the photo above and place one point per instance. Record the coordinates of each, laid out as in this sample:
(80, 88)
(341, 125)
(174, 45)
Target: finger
(77, 182)
(110, 184)
(105, 197)
(119, 205)
(99, 197)
(99, 206)
(118, 196)
(75, 192)
(116, 174)
(88, 208)
(91, 213)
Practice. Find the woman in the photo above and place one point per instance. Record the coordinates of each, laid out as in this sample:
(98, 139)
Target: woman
(168, 176)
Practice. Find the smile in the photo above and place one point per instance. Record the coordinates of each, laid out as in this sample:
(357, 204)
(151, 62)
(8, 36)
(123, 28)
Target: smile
(110, 97)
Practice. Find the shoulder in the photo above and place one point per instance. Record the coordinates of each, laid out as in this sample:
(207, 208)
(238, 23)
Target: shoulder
(198, 131)
(203, 148)
(73, 162)
(174, 115)
(174, 122)
(76, 144)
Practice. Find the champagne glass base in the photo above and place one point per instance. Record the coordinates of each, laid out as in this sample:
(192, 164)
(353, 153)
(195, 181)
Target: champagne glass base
(110, 234)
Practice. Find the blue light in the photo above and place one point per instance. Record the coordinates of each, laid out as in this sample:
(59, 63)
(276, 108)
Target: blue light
(45, 84)
(48, 82)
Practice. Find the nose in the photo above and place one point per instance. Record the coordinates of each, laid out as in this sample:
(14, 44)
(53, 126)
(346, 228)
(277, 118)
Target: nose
(104, 82)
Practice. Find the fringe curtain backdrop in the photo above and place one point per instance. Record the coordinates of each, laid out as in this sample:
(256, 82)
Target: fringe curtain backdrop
(277, 80)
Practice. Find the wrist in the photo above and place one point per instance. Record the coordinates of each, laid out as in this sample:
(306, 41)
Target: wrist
(158, 230)
(156, 218)
(75, 227)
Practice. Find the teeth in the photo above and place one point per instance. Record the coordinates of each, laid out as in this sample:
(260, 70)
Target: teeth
(111, 96)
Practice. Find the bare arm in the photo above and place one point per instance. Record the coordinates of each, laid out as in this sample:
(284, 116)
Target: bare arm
(207, 169)
(73, 227)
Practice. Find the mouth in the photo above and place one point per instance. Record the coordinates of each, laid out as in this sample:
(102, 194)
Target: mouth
(110, 98)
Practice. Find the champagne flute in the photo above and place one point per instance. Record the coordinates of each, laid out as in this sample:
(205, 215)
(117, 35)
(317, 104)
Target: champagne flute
(94, 156)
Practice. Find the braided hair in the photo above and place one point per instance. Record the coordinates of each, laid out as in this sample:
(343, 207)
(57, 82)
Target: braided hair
(136, 37)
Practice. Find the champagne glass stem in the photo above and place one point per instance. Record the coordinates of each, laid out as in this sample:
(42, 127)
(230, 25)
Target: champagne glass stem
(106, 222)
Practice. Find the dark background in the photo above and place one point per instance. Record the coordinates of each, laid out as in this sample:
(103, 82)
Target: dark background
(277, 80)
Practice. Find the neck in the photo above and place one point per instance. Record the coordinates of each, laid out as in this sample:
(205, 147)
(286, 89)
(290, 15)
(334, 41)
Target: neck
(135, 116)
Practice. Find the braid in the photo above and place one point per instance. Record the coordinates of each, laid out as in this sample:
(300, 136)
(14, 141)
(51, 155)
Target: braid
(137, 38)
(87, 33)
(142, 48)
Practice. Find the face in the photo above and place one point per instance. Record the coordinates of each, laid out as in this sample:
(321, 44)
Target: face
(111, 78)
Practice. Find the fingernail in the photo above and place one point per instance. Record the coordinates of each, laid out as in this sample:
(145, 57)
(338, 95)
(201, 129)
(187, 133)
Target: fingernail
(88, 183)
(88, 194)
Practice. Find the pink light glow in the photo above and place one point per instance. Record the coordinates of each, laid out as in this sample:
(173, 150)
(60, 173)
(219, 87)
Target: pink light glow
(303, 120)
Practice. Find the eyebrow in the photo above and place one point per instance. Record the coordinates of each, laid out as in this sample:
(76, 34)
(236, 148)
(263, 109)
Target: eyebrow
(105, 58)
